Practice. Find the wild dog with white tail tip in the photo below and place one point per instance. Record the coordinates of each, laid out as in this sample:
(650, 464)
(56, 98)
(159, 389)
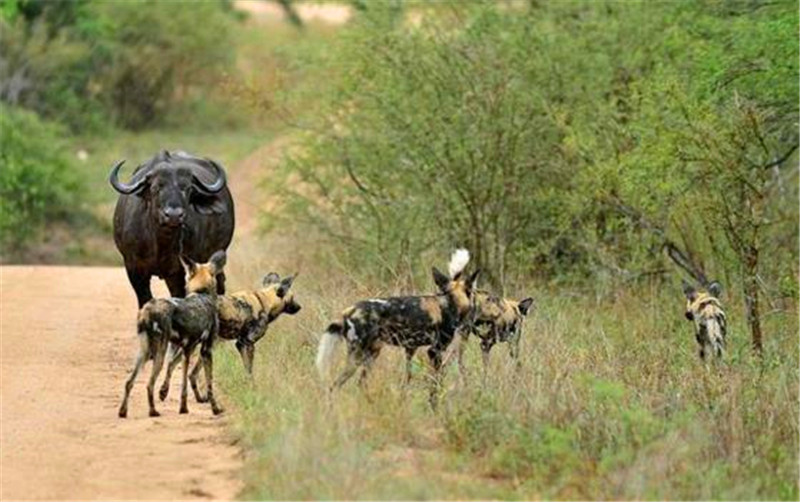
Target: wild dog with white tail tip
(710, 324)
(409, 322)
(496, 319)
(183, 322)
(244, 316)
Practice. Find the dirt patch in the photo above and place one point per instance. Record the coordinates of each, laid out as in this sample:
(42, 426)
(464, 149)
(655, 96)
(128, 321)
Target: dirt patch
(329, 13)
(66, 344)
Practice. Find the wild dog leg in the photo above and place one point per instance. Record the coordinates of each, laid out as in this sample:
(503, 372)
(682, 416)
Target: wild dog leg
(354, 359)
(174, 357)
(187, 352)
(247, 351)
(409, 363)
(158, 362)
(140, 358)
(435, 355)
(513, 347)
(193, 380)
(462, 346)
(208, 363)
(367, 365)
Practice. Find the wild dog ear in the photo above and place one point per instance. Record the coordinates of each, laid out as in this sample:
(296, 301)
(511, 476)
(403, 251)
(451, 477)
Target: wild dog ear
(715, 289)
(218, 261)
(525, 305)
(286, 284)
(188, 264)
(472, 280)
(689, 291)
(441, 280)
(270, 278)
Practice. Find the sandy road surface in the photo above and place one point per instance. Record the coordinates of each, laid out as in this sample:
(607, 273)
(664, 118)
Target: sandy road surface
(67, 342)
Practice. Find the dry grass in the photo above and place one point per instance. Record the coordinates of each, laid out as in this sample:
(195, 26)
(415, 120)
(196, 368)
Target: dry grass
(611, 402)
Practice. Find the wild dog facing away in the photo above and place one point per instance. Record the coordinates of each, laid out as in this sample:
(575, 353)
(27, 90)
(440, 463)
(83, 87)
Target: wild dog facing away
(184, 322)
(710, 323)
(409, 322)
(244, 316)
(495, 320)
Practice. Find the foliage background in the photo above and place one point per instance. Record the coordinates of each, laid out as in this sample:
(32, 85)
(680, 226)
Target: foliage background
(567, 144)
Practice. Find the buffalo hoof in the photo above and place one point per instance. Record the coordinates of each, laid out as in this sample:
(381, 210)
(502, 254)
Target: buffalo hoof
(163, 392)
(123, 412)
(154, 413)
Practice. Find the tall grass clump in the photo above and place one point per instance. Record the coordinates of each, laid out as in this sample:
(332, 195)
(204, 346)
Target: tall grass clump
(611, 402)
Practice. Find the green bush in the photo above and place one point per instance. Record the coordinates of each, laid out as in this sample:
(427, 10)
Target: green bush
(37, 181)
(86, 64)
(506, 130)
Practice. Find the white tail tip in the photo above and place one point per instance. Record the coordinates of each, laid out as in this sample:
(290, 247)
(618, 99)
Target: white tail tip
(327, 346)
(458, 262)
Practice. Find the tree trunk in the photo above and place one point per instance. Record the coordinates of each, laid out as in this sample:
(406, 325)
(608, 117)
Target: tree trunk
(751, 297)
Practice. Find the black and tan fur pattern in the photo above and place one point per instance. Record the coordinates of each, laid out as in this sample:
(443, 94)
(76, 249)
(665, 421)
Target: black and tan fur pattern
(710, 323)
(183, 322)
(495, 319)
(409, 322)
(244, 316)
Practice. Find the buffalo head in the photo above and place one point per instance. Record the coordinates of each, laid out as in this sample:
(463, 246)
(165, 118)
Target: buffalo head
(169, 184)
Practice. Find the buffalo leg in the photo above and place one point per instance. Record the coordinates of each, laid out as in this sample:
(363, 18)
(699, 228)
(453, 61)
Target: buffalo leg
(141, 285)
(221, 283)
(176, 283)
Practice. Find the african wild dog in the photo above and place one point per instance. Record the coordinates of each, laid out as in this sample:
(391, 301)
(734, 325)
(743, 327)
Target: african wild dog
(495, 320)
(244, 316)
(184, 322)
(408, 321)
(710, 323)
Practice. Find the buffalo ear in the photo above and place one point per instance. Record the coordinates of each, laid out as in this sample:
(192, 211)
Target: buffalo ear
(715, 289)
(188, 264)
(286, 284)
(689, 291)
(525, 305)
(441, 280)
(218, 261)
(270, 278)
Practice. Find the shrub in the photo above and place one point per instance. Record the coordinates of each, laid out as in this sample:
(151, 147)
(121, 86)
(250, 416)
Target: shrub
(37, 183)
(85, 64)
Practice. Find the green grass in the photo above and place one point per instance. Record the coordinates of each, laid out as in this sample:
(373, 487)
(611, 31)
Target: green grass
(611, 403)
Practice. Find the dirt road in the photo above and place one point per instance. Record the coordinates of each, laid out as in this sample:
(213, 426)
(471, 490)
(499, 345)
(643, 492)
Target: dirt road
(67, 342)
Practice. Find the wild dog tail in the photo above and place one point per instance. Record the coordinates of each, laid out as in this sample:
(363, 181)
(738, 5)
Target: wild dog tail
(327, 346)
(151, 324)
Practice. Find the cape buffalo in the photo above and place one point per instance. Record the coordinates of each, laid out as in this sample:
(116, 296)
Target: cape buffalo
(175, 204)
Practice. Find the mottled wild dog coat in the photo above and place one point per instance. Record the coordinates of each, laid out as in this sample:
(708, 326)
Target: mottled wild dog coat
(710, 323)
(495, 320)
(183, 322)
(244, 316)
(409, 322)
